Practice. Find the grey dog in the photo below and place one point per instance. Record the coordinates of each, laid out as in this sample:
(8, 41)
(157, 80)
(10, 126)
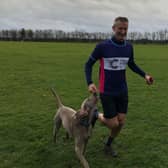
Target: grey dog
(70, 120)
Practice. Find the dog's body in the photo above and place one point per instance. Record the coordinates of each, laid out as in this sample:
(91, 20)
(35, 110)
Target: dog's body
(70, 120)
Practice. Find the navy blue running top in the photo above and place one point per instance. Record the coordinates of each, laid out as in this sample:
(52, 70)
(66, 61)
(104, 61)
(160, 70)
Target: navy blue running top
(114, 57)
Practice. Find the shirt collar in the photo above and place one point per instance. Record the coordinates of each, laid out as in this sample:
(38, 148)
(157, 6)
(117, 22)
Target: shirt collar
(113, 38)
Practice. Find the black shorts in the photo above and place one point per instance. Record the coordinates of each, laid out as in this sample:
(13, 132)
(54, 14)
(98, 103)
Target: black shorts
(112, 105)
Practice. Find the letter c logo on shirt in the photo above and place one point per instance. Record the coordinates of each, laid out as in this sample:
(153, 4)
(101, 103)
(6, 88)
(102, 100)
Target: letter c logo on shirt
(114, 63)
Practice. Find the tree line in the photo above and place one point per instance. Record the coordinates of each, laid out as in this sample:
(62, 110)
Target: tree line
(59, 35)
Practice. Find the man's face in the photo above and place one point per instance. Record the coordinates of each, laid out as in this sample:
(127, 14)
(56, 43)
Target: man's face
(120, 30)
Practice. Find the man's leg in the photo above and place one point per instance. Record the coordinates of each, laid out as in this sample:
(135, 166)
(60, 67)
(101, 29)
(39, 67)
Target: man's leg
(109, 122)
(122, 107)
(112, 124)
(121, 121)
(115, 125)
(113, 117)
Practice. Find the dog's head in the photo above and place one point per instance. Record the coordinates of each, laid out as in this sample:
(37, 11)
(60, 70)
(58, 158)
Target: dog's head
(88, 106)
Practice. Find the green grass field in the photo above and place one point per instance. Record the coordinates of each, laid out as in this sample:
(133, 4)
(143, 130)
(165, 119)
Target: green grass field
(28, 70)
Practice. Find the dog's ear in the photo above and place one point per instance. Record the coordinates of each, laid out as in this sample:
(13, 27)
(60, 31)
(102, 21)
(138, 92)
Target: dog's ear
(81, 113)
(77, 114)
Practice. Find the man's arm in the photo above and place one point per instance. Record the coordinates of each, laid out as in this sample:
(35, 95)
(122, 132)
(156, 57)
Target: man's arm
(135, 68)
(132, 65)
(88, 70)
(96, 54)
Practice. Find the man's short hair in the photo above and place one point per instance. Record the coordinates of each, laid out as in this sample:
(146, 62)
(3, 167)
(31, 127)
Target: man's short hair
(121, 19)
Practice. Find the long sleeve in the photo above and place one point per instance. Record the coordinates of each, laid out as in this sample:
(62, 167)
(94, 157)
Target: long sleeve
(96, 54)
(132, 65)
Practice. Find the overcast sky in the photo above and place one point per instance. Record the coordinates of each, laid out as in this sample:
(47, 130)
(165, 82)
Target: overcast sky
(87, 15)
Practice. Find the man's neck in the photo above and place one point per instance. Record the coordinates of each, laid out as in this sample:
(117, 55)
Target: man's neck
(119, 42)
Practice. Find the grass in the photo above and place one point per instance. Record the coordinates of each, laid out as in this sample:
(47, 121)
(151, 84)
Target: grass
(28, 70)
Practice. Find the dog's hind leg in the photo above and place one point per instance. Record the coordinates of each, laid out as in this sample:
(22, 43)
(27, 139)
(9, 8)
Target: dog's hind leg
(57, 125)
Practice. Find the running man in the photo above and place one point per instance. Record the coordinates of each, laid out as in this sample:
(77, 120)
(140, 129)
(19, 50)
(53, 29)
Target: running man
(114, 55)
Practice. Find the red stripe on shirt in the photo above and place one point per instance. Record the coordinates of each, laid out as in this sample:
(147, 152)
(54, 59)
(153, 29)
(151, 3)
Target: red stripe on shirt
(102, 76)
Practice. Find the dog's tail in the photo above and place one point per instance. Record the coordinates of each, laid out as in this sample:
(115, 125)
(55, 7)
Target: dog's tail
(58, 101)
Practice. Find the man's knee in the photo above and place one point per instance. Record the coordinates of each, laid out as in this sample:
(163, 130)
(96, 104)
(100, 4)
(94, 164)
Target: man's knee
(113, 123)
(121, 119)
(121, 122)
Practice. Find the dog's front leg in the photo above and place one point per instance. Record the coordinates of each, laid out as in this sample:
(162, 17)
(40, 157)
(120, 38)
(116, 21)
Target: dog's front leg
(85, 144)
(79, 149)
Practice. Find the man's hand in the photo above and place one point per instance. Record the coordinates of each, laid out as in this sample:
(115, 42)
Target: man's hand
(92, 88)
(149, 79)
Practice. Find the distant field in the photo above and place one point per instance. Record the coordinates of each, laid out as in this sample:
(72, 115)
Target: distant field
(28, 70)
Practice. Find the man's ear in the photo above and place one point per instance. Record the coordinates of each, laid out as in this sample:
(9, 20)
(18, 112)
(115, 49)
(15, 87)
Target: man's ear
(113, 27)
